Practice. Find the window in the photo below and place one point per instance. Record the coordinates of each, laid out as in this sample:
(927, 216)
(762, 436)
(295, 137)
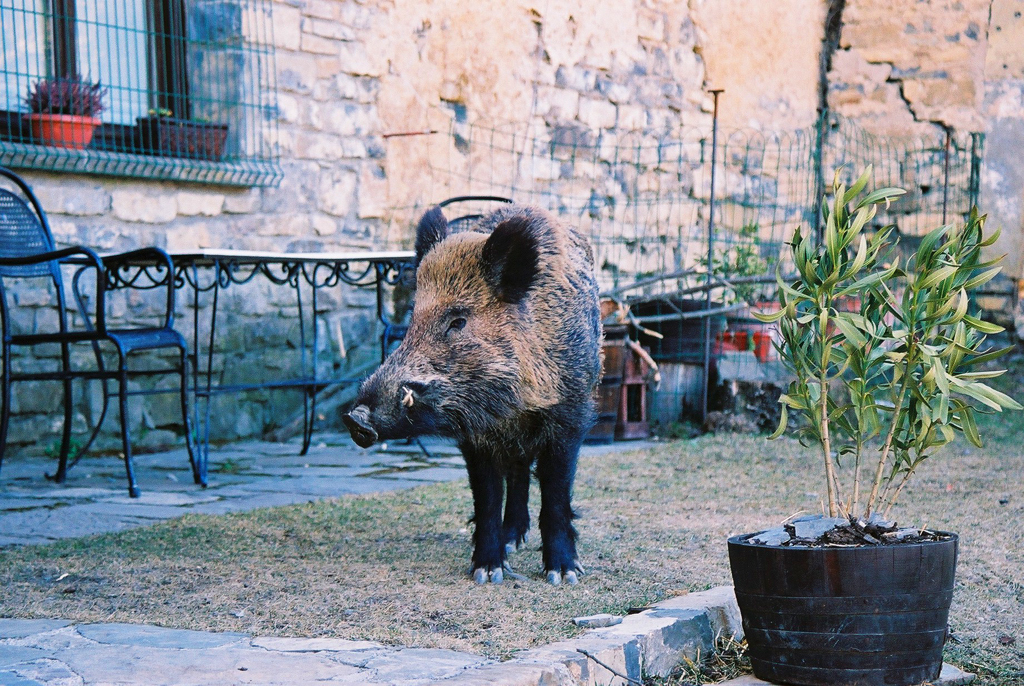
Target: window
(185, 84)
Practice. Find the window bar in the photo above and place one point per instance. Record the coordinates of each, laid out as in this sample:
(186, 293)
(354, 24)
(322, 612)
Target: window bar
(209, 63)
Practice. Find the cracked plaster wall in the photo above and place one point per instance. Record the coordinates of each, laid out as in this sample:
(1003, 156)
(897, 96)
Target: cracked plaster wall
(907, 67)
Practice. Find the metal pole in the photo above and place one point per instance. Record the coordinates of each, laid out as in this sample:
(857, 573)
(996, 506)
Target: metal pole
(945, 176)
(819, 174)
(715, 92)
(974, 187)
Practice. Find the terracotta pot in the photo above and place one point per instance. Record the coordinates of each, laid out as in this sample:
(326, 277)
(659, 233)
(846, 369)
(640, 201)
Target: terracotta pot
(763, 348)
(63, 130)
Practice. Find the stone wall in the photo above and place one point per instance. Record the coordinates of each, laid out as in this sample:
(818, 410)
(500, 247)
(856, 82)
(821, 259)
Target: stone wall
(350, 73)
(906, 67)
(373, 96)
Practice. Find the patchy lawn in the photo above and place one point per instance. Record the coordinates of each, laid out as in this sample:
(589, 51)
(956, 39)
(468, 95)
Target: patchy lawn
(392, 568)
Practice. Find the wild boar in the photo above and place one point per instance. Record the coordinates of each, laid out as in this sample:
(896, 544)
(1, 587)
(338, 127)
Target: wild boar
(503, 353)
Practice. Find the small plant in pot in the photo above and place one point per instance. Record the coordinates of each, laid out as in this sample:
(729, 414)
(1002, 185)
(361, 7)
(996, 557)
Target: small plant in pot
(161, 133)
(850, 598)
(63, 111)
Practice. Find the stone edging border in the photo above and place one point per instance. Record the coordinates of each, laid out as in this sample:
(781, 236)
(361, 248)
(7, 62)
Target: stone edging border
(649, 643)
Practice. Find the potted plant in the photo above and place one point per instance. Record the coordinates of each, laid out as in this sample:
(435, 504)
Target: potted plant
(850, 598)
(63, 111)
(161, 133)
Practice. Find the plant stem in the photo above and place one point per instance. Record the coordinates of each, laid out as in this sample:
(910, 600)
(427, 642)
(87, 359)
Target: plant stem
(883, 458)
(896, 494)
(826, 448)
(856, 473)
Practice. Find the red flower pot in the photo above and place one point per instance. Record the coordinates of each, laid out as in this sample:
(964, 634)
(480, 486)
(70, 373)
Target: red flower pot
(62, 130)
(763, 348)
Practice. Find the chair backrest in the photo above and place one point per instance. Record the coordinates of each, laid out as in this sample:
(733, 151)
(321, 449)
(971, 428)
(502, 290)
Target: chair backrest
(23, 230)
(456, 222)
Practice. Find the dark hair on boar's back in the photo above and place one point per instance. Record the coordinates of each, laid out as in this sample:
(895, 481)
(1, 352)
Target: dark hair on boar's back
(503, 353)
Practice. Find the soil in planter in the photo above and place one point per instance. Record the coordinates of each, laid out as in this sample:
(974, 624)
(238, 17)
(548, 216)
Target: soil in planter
(854, 533)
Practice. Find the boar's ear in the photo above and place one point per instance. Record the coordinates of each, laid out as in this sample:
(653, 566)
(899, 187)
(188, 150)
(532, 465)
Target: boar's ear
(510, 258)
(432, 229)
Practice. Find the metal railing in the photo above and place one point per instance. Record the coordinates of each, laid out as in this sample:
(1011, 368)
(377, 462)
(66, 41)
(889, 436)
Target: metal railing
(184, 89)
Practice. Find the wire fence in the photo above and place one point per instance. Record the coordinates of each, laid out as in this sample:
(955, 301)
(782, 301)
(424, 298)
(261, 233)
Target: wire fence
(645, 200)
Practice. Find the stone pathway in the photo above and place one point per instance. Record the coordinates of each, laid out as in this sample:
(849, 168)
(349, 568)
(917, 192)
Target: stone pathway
(243, 476)
(40, 651)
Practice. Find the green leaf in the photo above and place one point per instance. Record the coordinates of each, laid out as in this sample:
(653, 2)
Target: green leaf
(929, 280)
(768, 317)
(868, 282)
(860, 258)
(858, 185)
(961, 307)
(928, 244)
(988, 396)
(941, 380)
(849, 329)
(791, 401)
(982, 326)
(984, 357)
(882, 195)
(982, 278)
(969, 426)
(783, 420)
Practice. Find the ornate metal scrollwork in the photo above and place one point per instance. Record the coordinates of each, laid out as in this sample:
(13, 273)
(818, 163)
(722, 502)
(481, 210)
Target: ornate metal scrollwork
(140, 277)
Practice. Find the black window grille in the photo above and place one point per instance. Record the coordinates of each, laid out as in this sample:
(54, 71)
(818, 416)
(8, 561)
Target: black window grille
(188, 88)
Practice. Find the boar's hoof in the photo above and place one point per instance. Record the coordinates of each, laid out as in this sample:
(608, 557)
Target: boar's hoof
(358, 423)
(570, 576)
(482, 575)
(515, 545)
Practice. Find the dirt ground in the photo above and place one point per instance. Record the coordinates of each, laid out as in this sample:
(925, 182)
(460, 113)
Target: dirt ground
(653, 524)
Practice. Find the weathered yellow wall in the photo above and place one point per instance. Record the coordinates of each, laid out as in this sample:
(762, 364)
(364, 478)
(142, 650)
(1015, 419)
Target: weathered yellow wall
(765, 56)
(907, 67)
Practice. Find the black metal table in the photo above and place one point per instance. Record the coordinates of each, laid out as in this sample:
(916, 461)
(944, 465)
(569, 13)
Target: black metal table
(208, 272)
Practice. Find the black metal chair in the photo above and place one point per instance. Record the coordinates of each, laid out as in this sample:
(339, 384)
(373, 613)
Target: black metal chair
(27, 251)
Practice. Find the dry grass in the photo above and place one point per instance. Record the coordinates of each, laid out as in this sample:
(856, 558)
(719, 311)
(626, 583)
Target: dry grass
(392, 568)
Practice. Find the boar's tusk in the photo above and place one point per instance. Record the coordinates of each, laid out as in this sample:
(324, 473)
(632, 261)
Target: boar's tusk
(407, 399)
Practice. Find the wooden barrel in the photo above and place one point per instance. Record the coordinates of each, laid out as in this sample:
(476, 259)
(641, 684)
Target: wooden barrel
(864, 616)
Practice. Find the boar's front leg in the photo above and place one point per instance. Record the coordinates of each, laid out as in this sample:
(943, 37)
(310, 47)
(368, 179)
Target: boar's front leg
(488, 547)
(556, 470)
(517, 515)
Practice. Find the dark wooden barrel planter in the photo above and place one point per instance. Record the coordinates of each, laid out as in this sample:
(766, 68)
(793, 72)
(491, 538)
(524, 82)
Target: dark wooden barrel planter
(859, 616)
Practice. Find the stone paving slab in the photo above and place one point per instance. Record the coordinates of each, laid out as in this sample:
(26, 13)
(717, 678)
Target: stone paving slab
(243, 476)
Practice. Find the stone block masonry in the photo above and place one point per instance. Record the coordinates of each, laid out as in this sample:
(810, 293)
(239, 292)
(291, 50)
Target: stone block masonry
(351, 74)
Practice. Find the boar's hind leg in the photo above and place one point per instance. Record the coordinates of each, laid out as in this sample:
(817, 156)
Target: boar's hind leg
(556, 469)
(517, 515)
(488, 547)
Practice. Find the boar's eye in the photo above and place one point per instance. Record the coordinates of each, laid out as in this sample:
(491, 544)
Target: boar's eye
(456, 324)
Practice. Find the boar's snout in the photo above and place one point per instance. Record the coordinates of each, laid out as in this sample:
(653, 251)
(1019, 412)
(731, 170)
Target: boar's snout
(358, 423)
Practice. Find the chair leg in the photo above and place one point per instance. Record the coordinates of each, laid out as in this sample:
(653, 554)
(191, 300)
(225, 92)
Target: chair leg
(198, 471)
(65, 439)
(5, 411)
(133, 486)
(308, 419)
